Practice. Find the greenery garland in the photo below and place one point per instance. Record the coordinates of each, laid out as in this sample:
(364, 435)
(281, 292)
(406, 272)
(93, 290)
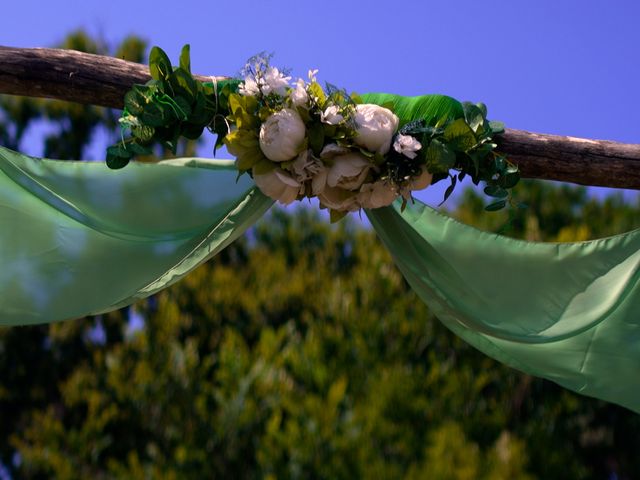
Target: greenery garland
(301, 140)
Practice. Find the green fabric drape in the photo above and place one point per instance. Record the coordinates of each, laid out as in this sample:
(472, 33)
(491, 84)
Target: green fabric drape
(566, 312)
(79, 238)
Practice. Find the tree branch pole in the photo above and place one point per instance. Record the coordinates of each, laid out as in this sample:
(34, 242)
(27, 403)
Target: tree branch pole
(99, 80)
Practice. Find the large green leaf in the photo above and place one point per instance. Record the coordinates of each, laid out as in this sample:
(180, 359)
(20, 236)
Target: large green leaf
(435, 109)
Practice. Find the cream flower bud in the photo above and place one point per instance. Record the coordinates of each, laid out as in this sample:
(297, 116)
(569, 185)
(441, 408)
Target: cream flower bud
(420, 182)
(278, 185)
(376, 195)
(407, 145)
(348, 171)
(299, 96)
(375, 127)
(281, 135)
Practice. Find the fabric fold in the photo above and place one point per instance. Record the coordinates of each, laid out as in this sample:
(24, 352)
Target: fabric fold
(81, 239)
(566, 312)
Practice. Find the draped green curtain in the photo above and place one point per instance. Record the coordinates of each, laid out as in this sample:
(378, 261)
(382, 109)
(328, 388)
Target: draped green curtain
(566, 312)
(79, 238)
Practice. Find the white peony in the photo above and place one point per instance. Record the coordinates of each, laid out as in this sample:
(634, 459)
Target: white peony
(376, 195)
(420, 182)
(331, 115)
(274, 81)
(278, 185)
(299, 96)
(282, 135)
(407, 145)
(348, 171)
(306, 166)
(375, 127)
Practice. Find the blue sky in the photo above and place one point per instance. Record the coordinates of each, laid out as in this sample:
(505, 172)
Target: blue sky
(563, 67)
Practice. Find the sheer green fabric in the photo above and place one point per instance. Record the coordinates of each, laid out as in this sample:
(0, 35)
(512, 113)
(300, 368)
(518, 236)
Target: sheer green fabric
(566, 312)
(79, 238)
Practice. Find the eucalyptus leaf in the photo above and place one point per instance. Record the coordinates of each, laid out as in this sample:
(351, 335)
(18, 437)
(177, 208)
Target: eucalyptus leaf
(495, 206)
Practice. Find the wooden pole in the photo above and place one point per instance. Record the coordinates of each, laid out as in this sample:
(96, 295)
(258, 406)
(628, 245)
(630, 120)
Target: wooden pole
(99, 80)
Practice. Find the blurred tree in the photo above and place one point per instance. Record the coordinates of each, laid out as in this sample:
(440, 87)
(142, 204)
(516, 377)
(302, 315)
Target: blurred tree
(299, 352)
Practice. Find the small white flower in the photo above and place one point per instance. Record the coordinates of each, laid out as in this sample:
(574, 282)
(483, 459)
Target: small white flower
(249, 87)
(376, 195)
(348, 171)
(278, 185)
(331, 115)
(281, 135)
(312, 75)
(273, 81)
(375, 127)
(407, 145)
(299, 96)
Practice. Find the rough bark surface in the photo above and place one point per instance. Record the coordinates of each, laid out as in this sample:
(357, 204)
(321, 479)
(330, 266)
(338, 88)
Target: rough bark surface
(99, 80)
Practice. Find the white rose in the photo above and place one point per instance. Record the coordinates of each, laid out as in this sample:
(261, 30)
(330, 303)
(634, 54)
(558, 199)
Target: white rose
(273, 81)
(338, 199)
(331, 115)
(375, 127)
(299, 96)
(407, 145)
(348, 171)
(281, 135)
(278, 185)
(376, 195)
(420, 182)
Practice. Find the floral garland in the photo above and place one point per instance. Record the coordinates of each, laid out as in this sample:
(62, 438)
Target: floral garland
(298, 140)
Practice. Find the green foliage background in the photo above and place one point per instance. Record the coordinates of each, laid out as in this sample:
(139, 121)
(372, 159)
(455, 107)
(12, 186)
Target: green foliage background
(299, 352)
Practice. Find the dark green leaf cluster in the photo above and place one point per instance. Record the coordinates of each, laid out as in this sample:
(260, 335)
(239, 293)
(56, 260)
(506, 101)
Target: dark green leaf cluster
(466, 145)
(172, 105)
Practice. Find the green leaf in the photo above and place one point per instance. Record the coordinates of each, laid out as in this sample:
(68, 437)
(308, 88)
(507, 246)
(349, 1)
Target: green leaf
(434, 109)
(496, 127)
(336, 215)
(459, 135)
(496, 191)
(316, 138)
(263, 167)
(153, 115)
(184, 83)
(473, 116)
(449, 190)
(499, 205)
(159, 64)
(117, 157)
(439, 157)
(248, 159)
(510, 180)
(192, 132)
(185, 60)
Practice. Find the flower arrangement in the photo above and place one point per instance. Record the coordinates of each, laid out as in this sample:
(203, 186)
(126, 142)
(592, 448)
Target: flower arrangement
(299, 140)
